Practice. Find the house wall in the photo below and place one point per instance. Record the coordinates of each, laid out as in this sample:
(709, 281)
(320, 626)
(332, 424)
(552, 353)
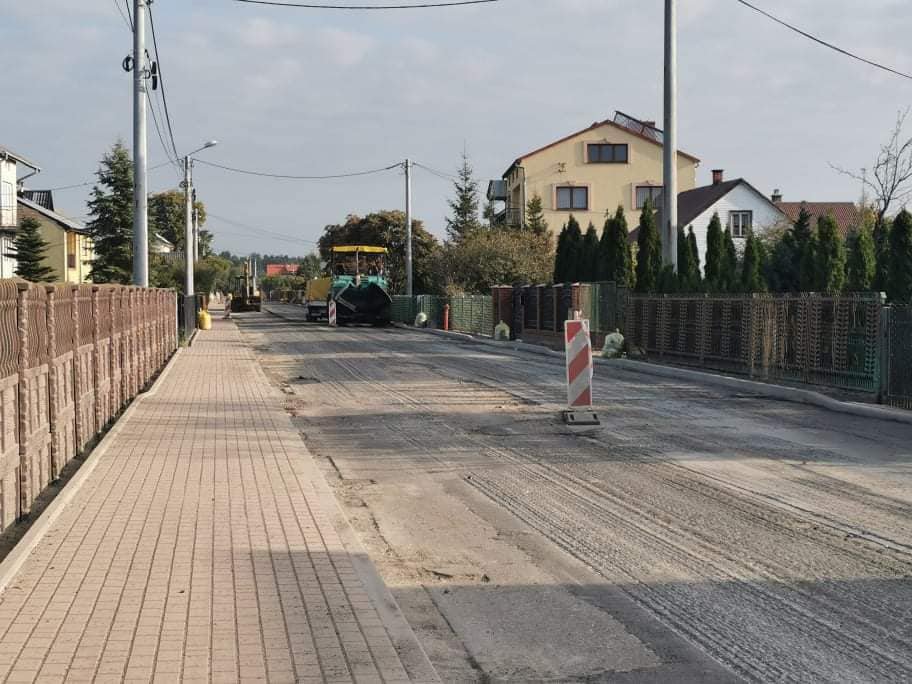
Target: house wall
(740, 198)
(59, 246)
(610, 185)
(8, 217)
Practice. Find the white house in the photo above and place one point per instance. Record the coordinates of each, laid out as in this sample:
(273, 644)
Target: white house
(741, 207)
(9, 215)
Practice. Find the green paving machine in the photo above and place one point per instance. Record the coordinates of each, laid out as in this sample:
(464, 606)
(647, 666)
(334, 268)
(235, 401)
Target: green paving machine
(359, 286)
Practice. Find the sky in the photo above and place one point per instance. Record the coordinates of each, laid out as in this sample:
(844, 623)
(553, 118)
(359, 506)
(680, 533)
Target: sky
(318, 92)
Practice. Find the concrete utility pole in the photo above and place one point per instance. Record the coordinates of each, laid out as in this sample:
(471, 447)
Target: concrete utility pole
(670, 141)
(408, 227)
(188, 232)
(196, 235)
(140, 198)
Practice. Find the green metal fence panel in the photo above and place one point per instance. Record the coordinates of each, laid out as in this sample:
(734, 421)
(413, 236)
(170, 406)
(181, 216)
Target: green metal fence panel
(403, 309)
(828, 341)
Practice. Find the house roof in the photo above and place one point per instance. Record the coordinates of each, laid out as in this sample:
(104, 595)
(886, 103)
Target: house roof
(692, 203)
(63, 221)
(597, 124)
(43, 197)
(8, 153)
(845, 213)
(163, 240)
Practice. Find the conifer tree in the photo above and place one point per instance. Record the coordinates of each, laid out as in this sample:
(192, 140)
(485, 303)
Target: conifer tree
(575, 260)
(695, 258)
(687, 267)
(615, 259)
(535, 216)
(560, 256)
(464, 219)
(728, 273)
(830, 256)
(882, 254)
(715, 245)
(899, 275)
(751, 278)
(111, 223)
(29, 250)
(589, 259)
(649, 252)
(862, 263)
(808, 278)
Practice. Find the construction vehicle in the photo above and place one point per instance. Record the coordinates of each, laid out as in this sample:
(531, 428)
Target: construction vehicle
(244, 296)
(357, 284)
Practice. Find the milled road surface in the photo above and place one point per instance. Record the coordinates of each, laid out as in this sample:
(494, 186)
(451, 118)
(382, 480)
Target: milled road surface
(696, 535)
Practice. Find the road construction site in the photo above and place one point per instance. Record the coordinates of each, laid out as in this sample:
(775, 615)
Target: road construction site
(697, 534)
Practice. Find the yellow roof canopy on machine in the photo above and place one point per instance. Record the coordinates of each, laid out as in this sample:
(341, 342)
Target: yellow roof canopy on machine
(366, 249)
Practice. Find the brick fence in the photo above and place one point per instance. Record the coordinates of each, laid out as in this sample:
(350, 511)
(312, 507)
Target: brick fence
(71, 357)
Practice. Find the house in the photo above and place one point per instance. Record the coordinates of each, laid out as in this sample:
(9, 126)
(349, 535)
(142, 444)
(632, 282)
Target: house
(161, 245)
(9, 213)
(741, 208)
(846, 214)
(281, 269)
(70, 249)
(616, 162)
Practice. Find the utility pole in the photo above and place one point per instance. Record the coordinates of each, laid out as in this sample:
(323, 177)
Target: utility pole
(188, 231)
(140, 198)
(408, 227)
(196, 235)
(670, 139)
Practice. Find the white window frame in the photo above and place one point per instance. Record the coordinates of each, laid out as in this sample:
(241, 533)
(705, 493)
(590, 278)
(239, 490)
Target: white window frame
(7, 204)
(738, 228)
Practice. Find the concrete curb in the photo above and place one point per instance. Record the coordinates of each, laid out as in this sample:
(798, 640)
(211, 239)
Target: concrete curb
(780, 392)
(16, 558)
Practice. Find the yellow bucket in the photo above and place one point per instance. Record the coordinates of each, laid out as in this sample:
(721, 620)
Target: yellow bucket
(204, 320)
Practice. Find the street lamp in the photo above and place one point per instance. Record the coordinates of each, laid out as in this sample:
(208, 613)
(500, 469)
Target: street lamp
(189, 252)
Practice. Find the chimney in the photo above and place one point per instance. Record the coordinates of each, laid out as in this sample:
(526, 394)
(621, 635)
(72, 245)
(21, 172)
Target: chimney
(650, 124)
(717, 176)
(777, 196)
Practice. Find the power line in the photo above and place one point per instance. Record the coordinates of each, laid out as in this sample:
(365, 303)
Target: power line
(425, 5)
(128, 22)
(271, 233)
(161, 83)
(823, 42)
(161, 138)
(281, 176)
(129, 12)
(440, 174)
(88, 183)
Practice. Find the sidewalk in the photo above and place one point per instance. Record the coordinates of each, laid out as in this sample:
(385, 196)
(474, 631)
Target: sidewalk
(197, 549)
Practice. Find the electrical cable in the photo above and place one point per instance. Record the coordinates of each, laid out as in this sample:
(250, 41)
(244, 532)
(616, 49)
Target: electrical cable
(277, 235)
(440, 174)
(161, 82)
(161, 138)
(823, 42)
(293, 177)
(424, 5)
(88, 183)
(129, 12)
(123, 16)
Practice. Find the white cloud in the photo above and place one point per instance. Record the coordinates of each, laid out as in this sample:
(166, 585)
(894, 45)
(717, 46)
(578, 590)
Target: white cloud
(344, 48)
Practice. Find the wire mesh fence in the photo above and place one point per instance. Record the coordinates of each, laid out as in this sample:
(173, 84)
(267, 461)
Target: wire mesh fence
(898, 356)
(819, 340)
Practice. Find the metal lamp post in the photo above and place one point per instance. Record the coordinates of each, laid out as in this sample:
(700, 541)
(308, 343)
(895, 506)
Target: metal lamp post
(189, 256)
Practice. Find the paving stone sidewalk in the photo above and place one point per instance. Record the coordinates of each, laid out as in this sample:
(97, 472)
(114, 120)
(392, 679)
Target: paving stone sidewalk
(197, 550)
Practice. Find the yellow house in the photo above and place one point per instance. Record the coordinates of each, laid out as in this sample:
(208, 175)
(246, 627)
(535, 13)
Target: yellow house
(70, 250)
(616, 162)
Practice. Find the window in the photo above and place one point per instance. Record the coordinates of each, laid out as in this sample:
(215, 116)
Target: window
(740, 223)
(7, 204)
(570, 198)
(606, 153)
(647, 192)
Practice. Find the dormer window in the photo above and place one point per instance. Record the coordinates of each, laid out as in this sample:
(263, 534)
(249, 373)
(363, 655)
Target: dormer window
(607, 153)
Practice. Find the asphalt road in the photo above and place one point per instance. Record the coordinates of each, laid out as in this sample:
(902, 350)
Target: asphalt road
(696, 535)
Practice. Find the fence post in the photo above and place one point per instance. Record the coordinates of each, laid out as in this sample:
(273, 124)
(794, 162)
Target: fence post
(24, 398)
(518, 312)
(53, 389)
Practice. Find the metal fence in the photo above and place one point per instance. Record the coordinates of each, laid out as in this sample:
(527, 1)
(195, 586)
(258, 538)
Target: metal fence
(818, 340)
(466, 313)
(898, 356)
(70, 358)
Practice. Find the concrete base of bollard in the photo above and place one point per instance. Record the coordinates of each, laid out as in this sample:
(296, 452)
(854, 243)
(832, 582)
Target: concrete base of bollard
(581, 418)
